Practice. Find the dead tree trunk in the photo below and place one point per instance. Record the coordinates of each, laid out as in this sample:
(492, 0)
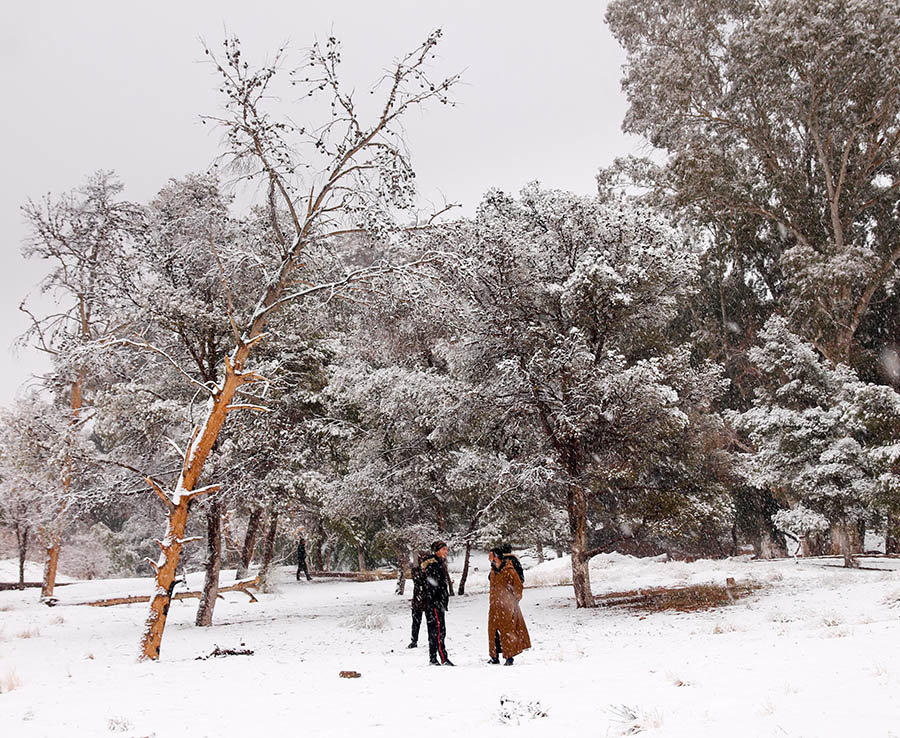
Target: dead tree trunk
(268, 552)
(576, 501)
(253, 525)
(213, 563)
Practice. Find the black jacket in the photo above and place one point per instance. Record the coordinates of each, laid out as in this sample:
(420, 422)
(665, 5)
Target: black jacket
(436, 584)
(418, 578)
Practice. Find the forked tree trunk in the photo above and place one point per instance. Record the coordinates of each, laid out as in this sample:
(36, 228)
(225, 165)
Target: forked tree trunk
(253, 526)
(268, 552)
(465, 571)
(213, 563)
(581, 578)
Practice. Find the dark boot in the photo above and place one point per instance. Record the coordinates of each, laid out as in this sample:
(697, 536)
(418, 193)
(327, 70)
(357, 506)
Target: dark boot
(494, 660)
(413, 644)
(508, 662)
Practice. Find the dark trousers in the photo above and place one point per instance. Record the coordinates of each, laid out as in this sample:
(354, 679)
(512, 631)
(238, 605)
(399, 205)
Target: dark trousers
(301, 566)
(416, 625)
(435, 618)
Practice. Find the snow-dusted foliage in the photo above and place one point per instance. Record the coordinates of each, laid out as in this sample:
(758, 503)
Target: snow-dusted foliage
(781, 124)
(821, 436)
(568, 300)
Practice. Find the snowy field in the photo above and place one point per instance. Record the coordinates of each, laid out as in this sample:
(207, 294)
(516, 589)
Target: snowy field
(813, 653)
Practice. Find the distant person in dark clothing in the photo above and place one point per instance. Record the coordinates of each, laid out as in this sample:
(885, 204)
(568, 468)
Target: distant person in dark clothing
(507, 632)
(435, 598)
(301, 560)
(417, 604)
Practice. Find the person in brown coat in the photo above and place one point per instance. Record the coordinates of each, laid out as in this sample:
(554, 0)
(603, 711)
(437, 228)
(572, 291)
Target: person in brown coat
(507, 632)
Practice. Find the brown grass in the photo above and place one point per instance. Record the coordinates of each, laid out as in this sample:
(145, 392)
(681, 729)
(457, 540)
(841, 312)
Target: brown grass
(10, 681)
(682, 599)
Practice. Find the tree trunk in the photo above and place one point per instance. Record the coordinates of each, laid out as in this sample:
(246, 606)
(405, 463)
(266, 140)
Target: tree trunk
(55, 533)
(253, 526)
(22, 542)
(213, 563)
(766, 547)
(844, 542)
(268, 552)
(465, 571)
(540, 552)
(403, 566)
(318, 558)
(581, 578)
(360, 559)
(891, 538)
(50, 565)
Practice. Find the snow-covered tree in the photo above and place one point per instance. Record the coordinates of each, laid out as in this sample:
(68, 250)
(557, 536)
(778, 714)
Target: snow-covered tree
(85, 236)
(822, 438)
(349, 170)
(568, 304)
(40, 449)
(781, 120)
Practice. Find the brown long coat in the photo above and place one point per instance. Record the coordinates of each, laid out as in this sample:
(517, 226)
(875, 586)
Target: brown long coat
(504, 615)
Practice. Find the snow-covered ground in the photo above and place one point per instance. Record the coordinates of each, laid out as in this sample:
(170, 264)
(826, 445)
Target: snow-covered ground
(813, 653)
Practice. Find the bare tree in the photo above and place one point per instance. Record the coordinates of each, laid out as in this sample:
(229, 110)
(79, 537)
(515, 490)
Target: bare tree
(321, 180)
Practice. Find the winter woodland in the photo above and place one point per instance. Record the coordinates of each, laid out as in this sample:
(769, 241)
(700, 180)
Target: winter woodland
(701, 359)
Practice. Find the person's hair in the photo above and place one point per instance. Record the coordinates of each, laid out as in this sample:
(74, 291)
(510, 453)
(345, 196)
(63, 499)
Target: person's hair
(503, 551)
(437, 545)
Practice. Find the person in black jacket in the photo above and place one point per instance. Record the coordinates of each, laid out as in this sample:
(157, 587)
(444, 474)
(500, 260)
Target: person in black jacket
(435, 599)
(301, 560)
(417, 604)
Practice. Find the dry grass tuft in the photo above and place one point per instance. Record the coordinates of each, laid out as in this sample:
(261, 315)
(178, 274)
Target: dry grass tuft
(682, 599)
(28, 633)
(9, 681)
(634, 720)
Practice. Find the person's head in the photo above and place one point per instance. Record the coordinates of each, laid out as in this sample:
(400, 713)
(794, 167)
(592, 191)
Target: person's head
(439, 549)
(496, 554)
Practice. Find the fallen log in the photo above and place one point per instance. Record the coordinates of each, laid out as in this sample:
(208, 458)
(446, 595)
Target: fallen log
(683, 599)
(242, 586)
(357, 576)
(24, 585)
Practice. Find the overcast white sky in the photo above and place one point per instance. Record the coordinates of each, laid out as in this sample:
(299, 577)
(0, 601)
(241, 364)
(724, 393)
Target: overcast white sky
(99, 84)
